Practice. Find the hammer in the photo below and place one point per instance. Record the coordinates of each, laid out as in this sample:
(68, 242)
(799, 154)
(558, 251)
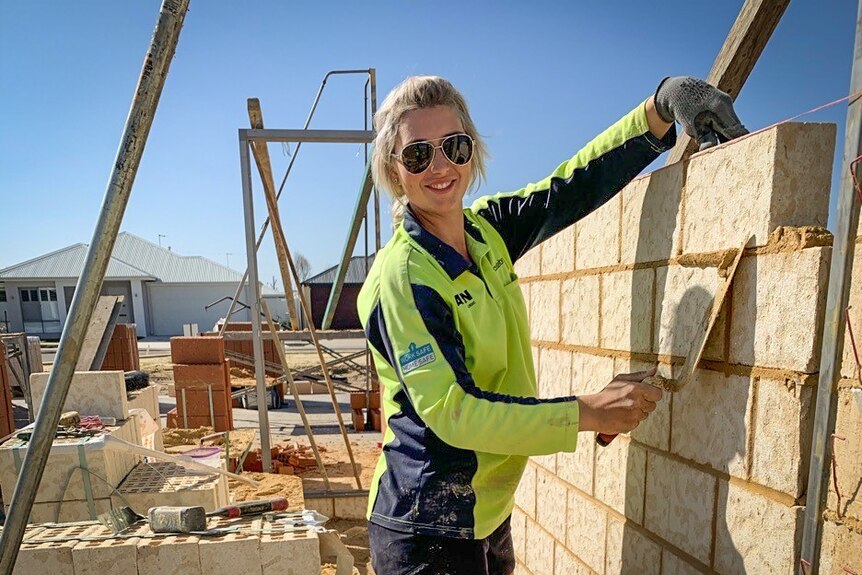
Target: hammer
(194, 519)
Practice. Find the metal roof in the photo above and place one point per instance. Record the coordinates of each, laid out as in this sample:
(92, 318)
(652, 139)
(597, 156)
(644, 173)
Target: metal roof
(133, 257)
(355, 272)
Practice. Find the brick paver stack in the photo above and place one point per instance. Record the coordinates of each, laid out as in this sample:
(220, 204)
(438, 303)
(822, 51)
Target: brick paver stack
(122, 352)
(201, 379)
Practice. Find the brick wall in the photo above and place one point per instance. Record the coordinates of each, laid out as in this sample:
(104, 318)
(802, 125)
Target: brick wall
(714, 480)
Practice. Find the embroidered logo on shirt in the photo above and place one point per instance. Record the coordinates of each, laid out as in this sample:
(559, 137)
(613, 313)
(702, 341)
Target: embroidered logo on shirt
(416, 357)
(498, 264)
(464, 297)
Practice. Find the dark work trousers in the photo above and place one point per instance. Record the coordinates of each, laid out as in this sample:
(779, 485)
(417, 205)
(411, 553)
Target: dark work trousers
(397, 553)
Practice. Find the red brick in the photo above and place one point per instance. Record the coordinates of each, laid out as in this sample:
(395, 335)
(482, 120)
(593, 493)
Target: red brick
(358, 420)
(357, 399)
(221, 423)
(197, 350)
(172, 419)
(200, 375)
(376, 419)
(197, 403)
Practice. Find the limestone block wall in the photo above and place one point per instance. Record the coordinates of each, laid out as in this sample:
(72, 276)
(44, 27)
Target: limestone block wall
(714, 481)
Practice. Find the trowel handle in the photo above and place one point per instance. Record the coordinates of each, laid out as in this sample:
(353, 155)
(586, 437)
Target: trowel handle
(250, 508)
(604, 439)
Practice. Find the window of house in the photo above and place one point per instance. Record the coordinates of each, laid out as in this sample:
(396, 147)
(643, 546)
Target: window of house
(25, 295)
(2, 295)
(52, 293)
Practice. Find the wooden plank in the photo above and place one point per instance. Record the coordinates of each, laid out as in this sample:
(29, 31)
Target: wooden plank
(99, 322)
(261, 158)
(744, 43)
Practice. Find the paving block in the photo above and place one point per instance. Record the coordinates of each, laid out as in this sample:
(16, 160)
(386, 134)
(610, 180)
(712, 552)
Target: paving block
(90, 393)
(237, 553)
(106, 557)
(629, 552)
(679, 505)
(146, 398)
(555, 374)
(163, 483)
(589, 523)
(848, 453)
(781, 176)
(711, 421)
(558, 253)
(598, 242)
(565, 562)
(651, 216)
(529, 264)
(540, 549)
(350, 507)
(545, 311)
(620, 478)
(579, 306)
(200, 376)
(840, 548)
(197, 350)
(684, 299)
(778, 307)
(550, 504)
(289, 553)
(171, 555)
(755, 535)
(518, 522)
(627, 310)
(525, 494)
(673, 565)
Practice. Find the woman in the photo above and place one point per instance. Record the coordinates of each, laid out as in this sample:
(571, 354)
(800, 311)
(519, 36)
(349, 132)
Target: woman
(443, 312)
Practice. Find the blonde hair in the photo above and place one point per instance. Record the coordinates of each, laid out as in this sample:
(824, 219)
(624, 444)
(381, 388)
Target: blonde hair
(414, 93)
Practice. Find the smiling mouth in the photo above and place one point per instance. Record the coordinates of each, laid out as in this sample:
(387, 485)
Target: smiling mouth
(441, 186)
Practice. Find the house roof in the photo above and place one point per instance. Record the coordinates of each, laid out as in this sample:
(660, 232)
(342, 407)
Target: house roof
(355, 272)
(133, 258)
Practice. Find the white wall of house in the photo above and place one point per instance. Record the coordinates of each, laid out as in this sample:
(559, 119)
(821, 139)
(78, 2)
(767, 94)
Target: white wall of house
(172, 305)
(138, 307)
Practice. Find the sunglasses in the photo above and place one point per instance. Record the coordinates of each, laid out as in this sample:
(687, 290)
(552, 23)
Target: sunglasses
(416, 157)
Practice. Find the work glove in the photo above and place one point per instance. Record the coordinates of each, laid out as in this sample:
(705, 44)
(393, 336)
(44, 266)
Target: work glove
(704, 112)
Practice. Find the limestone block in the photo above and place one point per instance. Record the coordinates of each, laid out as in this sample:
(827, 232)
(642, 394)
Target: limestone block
(590, 373)
(588, 523)
(655, 429)
(629, 552)
(848, 453)
(525, 494)
(577, 468)
(754, 535)
(324, 505)
(146, 398)
(679, 505)
(778, 308)
(38, 554)
(90, 393)
(519, 533)
(782, 435)
(579, 307)
(545, 311)
(350, 507)
(711, 421)
(565, 563)
(529, 264)
(620, 478)
(106, 557)
(840, 548)
(289, 553)
(66, 511)
(540, 549)
(550, 504)
(673, 565)
(779, 177)
(547, 462)
(651, 216)
(558, 253)
(684, 300)
(627, 310)
(598, 241)
(171, 555)
(555, 375)
(232, 553)
(849, 369)
(163, 483)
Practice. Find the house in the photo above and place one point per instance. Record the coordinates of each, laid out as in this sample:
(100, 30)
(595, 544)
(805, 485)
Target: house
(317, 291)
(163, 290)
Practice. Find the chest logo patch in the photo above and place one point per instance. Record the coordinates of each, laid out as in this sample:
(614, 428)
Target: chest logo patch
(416, 357)
(464, 297)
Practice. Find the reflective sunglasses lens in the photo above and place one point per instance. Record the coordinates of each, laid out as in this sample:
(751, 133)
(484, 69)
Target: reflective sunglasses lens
(417, 157)
(458, 148)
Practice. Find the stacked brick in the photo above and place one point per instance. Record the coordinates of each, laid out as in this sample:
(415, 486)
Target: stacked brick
(244, 348)
(122, 354)
(7, 417)
(714, 481)
(202, 383)
(359, 403)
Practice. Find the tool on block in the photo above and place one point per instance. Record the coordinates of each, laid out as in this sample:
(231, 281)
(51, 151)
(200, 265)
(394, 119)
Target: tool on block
(186, 519)
(697, 345)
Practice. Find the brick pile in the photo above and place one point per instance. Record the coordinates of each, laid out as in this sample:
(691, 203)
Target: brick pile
(714, 481)
(361, 409)
(200, 372)
(287, 459)
(122, 352)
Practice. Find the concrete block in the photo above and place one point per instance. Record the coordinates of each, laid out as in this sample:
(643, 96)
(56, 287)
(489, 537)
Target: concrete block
(171, 555)
(840, 548)
(711, 421)
(555, 375)
(849, 367)
(519, 533)
(627, 310)
(525, 494)
(679, 505)
(545, 311)
(530, 263)
(577, 468)
(558, 253)
(565, 563)
(579, 307)
(848, 453)
(546, 462)
(620, 478)
(598, 240)
(290, 553)
(651, 216)
(350, 507)
(781, 176)
(197, 350)
(147, 399)
(38, 554)
(106, 557)
(540, 549)
(684, 299)
(550, 504)
(588, 523)
(673, 565)
(324, 505)
(629, 552)
(754, 535)
(164, 483)
(783, 426)
(778, 305)
(66, 511)
(655, 429)
(231, 553)
(591, 373)
(90, 393)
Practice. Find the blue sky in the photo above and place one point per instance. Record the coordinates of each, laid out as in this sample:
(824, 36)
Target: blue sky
(541, 78)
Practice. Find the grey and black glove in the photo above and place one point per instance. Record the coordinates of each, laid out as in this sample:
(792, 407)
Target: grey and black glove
(704, 112)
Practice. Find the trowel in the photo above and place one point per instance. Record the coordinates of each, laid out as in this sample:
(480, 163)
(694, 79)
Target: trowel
(686, 371)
